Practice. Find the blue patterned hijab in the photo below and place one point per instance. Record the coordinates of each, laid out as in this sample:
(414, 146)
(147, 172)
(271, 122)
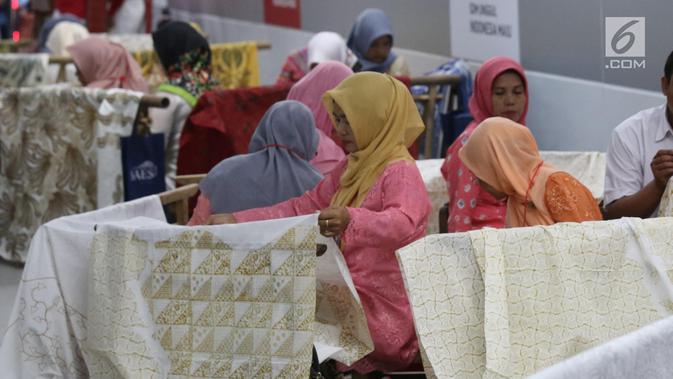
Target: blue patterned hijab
(276, 167)
(370, 25)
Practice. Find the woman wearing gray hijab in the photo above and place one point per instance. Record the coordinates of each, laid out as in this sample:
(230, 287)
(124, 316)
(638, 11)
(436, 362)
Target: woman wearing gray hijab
(371, 40)
(275, 169)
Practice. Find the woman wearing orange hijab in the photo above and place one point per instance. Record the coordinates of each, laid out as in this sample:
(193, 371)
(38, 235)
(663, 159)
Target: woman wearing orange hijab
(503, 155)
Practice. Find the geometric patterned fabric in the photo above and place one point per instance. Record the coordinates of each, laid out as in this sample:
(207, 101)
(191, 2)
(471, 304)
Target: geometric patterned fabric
(213, 303)
(506, 303)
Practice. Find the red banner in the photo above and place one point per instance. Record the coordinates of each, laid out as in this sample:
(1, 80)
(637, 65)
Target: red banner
(283, 13)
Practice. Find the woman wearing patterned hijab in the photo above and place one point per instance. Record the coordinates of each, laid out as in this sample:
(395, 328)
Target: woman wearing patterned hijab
(276, 168)
(371, 40)
(185, 56)
(374, 202)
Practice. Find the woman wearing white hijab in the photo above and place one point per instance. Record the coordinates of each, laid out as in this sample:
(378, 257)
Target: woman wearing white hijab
(322, 47)
(328, 46)
(63, 35)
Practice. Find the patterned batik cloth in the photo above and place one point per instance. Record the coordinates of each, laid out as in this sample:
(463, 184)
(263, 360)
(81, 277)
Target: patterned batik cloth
(119, 293)
(645, 353)
(48, 324)
(59, 155)
(233, 65)
(666, 203)
(506, 303)
(23, 70)
(232, 301)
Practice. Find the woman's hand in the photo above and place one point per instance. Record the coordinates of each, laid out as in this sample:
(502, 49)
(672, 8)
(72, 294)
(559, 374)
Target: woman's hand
(221, 218)
(333, 221)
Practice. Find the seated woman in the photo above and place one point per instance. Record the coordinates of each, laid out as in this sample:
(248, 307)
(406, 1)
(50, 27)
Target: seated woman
(371, 40)
(48, 27)
(185, 56)
(500, 89)
(309, 91)
(104, 64)
(322, 47)
(65, 34)
(275, 169)
(374, 203)
(503, 155)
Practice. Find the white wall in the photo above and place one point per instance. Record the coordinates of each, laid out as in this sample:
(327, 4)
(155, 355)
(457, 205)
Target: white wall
(565, 113)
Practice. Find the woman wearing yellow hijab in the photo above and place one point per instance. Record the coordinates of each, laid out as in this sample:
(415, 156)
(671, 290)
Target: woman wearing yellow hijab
(374, 202)
(503, 155)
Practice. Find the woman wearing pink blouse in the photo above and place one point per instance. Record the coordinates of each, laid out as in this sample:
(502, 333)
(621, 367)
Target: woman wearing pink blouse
(374, 202)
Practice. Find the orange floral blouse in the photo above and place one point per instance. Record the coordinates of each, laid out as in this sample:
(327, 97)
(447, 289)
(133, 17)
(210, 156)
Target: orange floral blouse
(567, 200)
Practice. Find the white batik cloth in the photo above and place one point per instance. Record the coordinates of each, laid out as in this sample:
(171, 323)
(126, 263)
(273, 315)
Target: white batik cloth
(645, 353)
(23, 70)
(60, 154)
(48, 324)
(169, 301)
(507, 303)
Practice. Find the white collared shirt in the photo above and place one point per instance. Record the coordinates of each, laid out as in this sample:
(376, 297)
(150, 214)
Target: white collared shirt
(633, 144)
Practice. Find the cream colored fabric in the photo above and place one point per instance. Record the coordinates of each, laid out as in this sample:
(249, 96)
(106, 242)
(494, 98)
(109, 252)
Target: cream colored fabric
(48, 324)
(666, 203)
(23, 70)
(645, 353)
(507, 303)
(436, 187)
(120, 293)
(587, 166)
(234, 301)
(60, 155)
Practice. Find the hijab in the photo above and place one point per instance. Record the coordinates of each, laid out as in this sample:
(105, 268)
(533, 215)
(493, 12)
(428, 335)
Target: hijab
(309, 91)
(276, 167)
(481, 101)
(185, 55)
(504, 154)
(106, 64)
(327, 46)
(65, 34)
(384, 120)
(370, 25)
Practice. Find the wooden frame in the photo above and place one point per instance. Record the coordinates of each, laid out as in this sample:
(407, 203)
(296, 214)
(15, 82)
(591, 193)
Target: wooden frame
(183, 180)
(63, 61)
(178, 199)
(434, 83)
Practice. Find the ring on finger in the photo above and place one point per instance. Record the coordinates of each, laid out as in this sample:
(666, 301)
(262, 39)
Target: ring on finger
(327, 224)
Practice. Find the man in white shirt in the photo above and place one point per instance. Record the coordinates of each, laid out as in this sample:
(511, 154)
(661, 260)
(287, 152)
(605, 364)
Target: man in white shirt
(640, 158)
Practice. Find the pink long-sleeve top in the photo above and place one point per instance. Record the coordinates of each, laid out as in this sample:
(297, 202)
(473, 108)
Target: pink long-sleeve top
(394, 214)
